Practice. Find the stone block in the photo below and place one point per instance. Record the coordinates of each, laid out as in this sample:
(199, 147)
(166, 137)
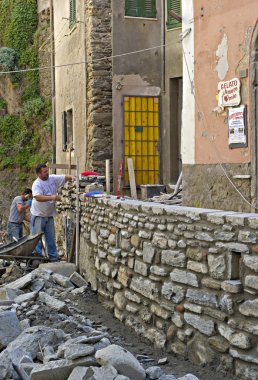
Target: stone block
(195, 253)
(132, 296)
(78, 373)
(122, 360)
(240, 340)
(145, 287)
(173, 258)
(26, 297)
(160, 240)
(22, 282)
(66, 269)
(251, 262)
(120, 300)
(205, 326)
(135, 241)
(193, 308)
(211, 283)
(54, 303)
(62, 280)
(184, 277)
(204, 236)
(199, 351)
(177, 319)
(224, 236)
(157, 337)
(197, 267)
(236, 247)
(9, 327)
(141, 268)
(246, 371)
(219, 344)
(173, 292)
(159, 311)
(124, 276)
(249, 308)
(159, 271)
(217, 266)
(247, 237)
(226, 304)
(232, 286)
(93, 237)
(77, 280)
(244, 357)
(201, 298)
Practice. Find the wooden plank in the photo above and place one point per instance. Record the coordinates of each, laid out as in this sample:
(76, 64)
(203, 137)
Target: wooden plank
(108, 176)
(61, 166)
(119, 179)
(132, 178)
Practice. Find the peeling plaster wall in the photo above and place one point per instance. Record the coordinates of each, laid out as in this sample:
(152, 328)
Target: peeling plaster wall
(222, 42)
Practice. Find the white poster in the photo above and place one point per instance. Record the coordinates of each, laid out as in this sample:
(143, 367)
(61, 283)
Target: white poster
(236, 125)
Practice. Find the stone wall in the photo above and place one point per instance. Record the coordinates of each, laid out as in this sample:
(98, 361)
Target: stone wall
(99, 83)
(207, 186)
(44, 52)
(185, 278)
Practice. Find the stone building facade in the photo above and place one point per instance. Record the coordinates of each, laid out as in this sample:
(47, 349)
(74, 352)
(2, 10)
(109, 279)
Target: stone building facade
(185, 278)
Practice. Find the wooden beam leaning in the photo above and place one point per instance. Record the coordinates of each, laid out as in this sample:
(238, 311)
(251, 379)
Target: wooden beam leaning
(132, 178)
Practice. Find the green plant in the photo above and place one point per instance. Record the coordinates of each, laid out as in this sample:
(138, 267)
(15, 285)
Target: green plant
(3, 104)
(7, 59)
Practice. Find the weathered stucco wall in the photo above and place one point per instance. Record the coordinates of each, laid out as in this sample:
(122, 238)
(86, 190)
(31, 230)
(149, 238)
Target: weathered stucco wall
(70, 79)
(219, 53)
(208, 186)
(99, 83)
(185, 278)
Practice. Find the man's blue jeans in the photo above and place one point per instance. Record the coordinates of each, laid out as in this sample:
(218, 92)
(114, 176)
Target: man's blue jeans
(15, 230)
(46, 225)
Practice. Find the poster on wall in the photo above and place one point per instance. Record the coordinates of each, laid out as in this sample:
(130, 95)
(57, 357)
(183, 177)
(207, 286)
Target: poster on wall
(237, 135)
(229, 93)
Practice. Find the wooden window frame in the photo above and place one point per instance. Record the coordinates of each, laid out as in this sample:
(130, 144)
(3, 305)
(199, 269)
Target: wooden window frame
(141, 8)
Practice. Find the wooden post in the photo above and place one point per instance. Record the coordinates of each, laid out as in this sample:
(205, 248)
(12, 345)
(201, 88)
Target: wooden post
(70, 160)
(108, 176)
(119, 178)
(132, 178)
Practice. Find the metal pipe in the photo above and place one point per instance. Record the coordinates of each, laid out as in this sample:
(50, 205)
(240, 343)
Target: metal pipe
(53, 95)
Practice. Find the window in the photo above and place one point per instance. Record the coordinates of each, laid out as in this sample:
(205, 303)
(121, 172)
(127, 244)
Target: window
(67, 130)
(72, 13)
(173, 5)
(140, 8)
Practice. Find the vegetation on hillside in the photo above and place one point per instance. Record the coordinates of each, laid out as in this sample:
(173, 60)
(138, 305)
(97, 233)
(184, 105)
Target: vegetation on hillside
(21, 133)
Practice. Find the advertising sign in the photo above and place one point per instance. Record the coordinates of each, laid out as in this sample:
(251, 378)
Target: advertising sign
(237, 127)
(229, 93)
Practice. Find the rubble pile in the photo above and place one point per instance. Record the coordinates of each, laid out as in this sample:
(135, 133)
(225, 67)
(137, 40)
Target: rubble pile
(45, 336)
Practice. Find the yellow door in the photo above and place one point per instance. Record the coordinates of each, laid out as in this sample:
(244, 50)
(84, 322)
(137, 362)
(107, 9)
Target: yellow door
(141, 138)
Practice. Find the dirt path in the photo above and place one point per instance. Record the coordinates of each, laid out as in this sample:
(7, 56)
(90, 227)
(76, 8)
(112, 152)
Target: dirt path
(126, 337)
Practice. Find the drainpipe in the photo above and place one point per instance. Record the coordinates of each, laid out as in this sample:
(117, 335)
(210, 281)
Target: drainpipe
(53, 95)
(163, 41)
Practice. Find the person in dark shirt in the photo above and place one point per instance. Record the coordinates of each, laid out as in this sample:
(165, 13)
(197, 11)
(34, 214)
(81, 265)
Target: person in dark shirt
(17, 214)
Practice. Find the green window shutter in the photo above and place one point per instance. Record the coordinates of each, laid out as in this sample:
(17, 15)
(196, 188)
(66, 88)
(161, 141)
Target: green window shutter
(72, 13)
(173, 5)
(149, 8)
(132, 8)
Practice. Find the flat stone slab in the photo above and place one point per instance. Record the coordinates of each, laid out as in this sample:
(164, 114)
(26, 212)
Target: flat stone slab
(122, 360)
(62, 280)
(78, 280)
(54, 303)
(22, 282)
(66, 269)
(26, 297)
(9, 327)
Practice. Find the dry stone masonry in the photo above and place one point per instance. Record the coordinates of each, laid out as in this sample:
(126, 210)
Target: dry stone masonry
(185, 278)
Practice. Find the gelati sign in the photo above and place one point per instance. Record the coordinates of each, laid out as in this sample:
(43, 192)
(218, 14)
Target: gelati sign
(229, 93)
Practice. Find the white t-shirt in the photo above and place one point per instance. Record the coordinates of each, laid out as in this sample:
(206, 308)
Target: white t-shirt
(48, 187)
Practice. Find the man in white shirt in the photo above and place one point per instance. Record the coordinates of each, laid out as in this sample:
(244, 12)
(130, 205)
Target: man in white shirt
(43, 209)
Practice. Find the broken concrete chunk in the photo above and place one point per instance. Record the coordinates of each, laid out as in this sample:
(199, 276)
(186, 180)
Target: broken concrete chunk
(78, 280)
(54, 303)
(22, 282)
(9, 327)
(123, 361)
(66, 269)
(37, 285)
(75, 351)
(78, 373)
(62, 280)
(106, 372)
(26, 297)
